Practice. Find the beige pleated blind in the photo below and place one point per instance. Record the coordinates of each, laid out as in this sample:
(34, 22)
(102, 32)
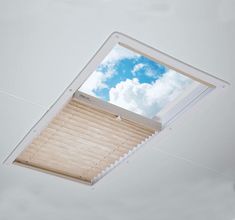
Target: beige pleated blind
(82, 141)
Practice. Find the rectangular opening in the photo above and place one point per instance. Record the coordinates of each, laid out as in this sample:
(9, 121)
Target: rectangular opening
(139, 84)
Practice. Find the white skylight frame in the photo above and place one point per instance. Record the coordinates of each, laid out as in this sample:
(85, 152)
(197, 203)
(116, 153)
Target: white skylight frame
(168, 115)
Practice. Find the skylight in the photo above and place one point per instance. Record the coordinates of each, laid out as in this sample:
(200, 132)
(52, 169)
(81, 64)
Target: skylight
(127, 93)
(135, 82)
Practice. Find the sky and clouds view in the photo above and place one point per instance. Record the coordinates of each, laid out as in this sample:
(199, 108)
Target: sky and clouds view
(134, 82)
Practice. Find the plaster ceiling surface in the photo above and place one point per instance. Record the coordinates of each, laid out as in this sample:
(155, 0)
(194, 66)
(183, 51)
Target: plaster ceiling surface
(189, 174)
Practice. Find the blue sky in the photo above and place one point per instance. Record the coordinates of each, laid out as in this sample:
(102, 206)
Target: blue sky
(134, 82)
(124, 69)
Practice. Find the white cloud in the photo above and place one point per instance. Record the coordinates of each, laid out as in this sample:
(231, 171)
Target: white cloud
(147, 70)
(151, 73)
(148, 99)
(94, 82)
(137, 67)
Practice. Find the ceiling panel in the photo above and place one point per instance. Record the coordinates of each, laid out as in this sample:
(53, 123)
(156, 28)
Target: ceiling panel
(45, 44)
(17, 118)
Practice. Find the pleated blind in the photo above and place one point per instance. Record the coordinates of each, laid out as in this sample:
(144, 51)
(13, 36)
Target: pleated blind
(83, 141)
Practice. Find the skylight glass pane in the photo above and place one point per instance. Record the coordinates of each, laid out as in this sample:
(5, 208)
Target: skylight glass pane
(134, 82)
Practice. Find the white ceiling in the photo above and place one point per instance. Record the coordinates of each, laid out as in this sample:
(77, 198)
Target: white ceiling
(187, 175)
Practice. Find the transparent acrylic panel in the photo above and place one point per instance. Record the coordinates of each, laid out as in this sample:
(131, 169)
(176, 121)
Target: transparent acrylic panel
(136, 83)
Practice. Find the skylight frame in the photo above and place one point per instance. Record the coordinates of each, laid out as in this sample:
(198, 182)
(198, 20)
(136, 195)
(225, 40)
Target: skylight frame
(115, 38)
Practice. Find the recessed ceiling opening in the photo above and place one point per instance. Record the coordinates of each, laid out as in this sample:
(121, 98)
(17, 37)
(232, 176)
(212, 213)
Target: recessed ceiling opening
(116, 104)
(136, 83)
